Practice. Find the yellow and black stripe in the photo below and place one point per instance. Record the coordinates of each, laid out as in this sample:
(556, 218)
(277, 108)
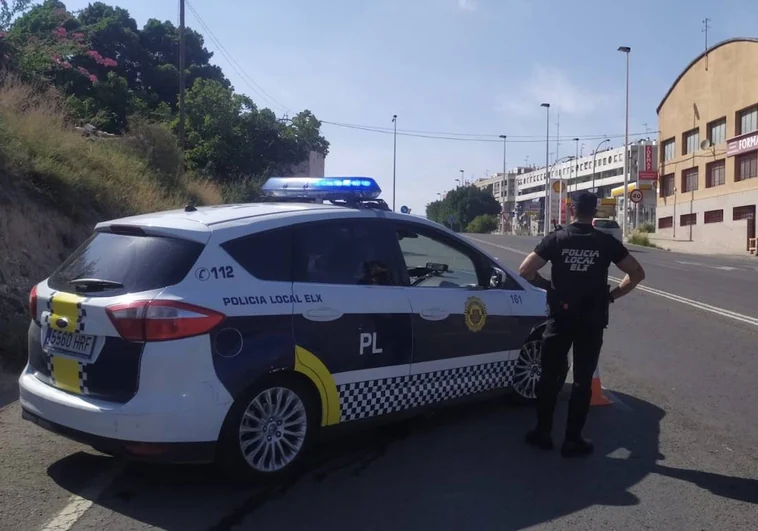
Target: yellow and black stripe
(65, 313)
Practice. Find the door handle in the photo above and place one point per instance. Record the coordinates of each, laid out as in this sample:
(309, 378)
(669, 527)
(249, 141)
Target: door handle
(434, 314)
(322, 314)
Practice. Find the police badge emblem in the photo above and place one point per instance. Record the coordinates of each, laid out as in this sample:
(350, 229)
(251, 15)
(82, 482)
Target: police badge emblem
(475, 314)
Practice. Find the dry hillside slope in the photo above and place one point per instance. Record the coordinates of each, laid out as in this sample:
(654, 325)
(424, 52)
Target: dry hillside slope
(55, 184)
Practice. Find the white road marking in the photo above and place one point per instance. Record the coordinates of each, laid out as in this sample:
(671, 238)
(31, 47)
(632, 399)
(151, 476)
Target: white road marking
(78, 505)
(671, 296)
(723, 268)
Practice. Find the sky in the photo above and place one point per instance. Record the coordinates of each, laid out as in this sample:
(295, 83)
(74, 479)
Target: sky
(469, 69)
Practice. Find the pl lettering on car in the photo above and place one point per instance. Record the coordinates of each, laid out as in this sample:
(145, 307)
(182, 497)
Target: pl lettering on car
(368, 339)
(183, 336)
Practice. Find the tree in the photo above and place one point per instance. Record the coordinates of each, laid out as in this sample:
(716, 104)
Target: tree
(464, 203)
(112, 71)
(10, 10)
(482, 224)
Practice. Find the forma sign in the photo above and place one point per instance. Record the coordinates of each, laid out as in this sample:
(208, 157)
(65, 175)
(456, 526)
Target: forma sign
(742, 144)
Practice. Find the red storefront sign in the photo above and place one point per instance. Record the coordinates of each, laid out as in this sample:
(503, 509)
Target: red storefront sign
(742, 144)
(648, 171)
(648, 159)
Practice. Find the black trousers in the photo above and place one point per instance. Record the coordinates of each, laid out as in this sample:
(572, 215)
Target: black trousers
(587, 339)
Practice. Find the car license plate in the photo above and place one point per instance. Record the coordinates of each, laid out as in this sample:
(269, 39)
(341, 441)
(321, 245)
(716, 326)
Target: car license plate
(77, 345)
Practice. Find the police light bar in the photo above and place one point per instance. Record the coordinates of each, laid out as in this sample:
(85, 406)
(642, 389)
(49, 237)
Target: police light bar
(324, 188)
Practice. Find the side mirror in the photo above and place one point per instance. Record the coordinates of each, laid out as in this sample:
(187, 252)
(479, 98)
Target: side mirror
(497, 278)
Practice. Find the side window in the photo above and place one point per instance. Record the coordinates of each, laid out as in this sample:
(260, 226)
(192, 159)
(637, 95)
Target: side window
(510, 283)
(265, 255)
(434, 263)
(348, 252)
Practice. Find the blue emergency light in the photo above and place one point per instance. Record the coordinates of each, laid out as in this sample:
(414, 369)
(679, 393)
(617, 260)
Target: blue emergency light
(323, 188)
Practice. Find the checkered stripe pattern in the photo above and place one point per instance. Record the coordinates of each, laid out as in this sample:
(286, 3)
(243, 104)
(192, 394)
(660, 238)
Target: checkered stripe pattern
(46, 323)
(83, 379)
(81, 313)
(370, 398)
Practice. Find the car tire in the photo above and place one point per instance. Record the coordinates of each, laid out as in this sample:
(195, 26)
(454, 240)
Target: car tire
(256, 442)
(528, 370)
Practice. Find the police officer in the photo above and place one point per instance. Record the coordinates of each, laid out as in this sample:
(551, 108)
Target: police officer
(578, 297)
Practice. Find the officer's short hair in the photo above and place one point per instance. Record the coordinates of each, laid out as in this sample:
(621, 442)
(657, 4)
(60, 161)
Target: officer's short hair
(585, 203)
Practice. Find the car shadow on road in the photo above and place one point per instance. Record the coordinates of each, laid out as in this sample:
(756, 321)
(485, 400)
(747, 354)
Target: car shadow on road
(464, 467)
(8, 388)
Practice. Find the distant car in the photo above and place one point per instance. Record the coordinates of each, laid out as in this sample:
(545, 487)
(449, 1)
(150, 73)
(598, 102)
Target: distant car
(236, 333)
(608, 226)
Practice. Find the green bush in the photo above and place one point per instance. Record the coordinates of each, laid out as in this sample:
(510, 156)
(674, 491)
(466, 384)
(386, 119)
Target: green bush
(482, 224)
(638, 237)
(647, 227)
(155, 144)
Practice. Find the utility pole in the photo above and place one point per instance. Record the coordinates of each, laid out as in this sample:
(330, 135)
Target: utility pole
(557, 135)
(705, 29)
(181, 74)
(626, 50)
(394, 159)
(576, 170)
(507, 186)
(547, 168)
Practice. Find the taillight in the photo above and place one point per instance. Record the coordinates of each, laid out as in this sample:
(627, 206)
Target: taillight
(161, 320)
(33, 303)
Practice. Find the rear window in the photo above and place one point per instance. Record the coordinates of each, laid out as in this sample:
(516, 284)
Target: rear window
(140, 263)
(606, 224)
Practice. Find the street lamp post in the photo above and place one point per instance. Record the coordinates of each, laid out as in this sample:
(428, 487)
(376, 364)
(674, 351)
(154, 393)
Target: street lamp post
(626, 50)
(576, 166)
(507, 185)
(394, 159)
(547, 170)
(462, 180)
(560, 195)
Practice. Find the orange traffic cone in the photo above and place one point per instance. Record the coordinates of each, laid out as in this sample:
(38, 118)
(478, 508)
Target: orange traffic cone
(598, 398)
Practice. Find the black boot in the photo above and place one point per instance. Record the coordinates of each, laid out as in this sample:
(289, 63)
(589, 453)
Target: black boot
(576, 447)
(539, 439)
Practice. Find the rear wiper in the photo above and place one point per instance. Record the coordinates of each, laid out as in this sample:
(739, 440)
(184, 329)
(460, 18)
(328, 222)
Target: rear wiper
(94, 284)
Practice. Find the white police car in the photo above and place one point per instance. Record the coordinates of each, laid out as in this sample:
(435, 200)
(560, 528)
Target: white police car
(237, 332)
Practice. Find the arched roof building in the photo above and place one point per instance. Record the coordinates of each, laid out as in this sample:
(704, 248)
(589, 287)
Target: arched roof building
(708, 155)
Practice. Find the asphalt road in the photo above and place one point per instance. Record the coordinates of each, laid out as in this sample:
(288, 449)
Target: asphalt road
(675, 451)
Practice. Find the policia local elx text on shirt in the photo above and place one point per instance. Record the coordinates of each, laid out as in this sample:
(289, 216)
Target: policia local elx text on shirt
(578, 298)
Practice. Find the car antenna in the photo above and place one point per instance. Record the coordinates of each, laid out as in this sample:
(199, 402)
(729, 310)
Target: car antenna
(190, 207)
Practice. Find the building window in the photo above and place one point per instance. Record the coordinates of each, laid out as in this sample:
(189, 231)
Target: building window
(691, 141)
(669, 149)
(746, 166)
(667, 185)
(743, 212)
(717, 131)
(666, 223)
(747, 120)
(715, 174)
(687, 219)
(689, 180)
(713, 216)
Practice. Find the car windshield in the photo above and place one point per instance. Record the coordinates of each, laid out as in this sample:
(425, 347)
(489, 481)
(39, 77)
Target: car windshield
(606, 224)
